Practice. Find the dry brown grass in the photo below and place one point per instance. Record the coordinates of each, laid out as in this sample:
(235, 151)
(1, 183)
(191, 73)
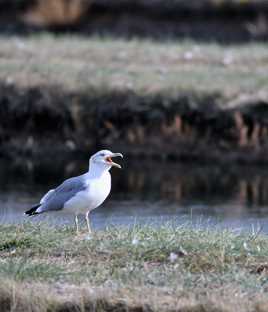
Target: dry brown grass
(36, 297)
(47, 13)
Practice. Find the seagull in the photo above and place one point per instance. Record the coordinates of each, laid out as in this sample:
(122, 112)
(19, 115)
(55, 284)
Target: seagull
(81, 194)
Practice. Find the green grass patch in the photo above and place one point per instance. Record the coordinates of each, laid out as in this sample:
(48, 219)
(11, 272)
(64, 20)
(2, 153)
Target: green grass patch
(144, 67)
(196, 251)
(164, 260)
(26, 270)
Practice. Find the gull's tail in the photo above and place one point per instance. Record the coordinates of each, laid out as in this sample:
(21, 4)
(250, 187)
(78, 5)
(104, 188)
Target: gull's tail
(32, 211)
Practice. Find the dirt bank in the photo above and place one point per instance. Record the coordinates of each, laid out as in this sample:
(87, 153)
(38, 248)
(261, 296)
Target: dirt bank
(47, 121)
(61, 95)
(224, 21)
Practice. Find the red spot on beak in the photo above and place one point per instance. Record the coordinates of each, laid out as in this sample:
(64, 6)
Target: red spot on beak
(109, 159)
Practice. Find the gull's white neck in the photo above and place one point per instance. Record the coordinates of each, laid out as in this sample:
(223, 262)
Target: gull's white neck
(97, 170)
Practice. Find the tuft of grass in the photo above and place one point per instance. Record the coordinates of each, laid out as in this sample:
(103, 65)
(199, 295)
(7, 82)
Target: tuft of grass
(26, 270)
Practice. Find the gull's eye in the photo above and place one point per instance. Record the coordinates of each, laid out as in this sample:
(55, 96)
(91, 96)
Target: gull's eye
(102, 154)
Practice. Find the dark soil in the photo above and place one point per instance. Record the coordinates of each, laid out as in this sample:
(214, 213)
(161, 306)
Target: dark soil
(49, 122)
(227, 22)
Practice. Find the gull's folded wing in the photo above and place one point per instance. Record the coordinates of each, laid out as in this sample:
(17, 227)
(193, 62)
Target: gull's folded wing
(56, 198)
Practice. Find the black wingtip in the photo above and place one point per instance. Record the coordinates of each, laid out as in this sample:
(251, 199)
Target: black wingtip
(32, 211)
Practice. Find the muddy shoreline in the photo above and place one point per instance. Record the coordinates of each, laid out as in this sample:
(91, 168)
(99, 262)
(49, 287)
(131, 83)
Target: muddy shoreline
(45, 122)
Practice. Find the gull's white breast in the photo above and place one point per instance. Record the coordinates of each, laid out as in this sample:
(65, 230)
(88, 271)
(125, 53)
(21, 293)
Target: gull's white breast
(93, 196)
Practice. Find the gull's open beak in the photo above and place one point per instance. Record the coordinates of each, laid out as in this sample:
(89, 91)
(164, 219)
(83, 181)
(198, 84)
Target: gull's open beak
(110, 161)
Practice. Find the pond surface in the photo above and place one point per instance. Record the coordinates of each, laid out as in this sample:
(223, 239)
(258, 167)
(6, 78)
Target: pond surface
(148, 193)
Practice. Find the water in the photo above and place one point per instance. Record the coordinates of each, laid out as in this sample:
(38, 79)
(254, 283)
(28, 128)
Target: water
(148, 193)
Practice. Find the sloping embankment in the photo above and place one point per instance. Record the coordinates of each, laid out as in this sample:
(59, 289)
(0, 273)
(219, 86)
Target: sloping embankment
(223, 21)
(44, 122)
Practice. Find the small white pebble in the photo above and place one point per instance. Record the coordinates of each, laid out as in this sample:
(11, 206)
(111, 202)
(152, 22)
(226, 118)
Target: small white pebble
(135, 241)
(9, 81)
(20, 44)
(227, 60)
(173, 257)
(188, 55)
(110, 284)
(245, 245)
(89, 237)
(129, 85)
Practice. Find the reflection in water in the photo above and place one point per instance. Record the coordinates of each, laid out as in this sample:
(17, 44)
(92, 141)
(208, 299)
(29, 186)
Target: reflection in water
(149, 189)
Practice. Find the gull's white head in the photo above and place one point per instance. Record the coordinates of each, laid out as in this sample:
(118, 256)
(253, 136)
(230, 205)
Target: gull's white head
(104, 159)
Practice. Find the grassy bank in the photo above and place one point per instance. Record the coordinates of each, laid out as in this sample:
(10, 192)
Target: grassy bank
(138, 269)
(196, 101)
(144, 67)
(228, 21)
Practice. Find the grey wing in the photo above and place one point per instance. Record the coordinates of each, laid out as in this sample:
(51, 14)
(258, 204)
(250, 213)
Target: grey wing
(55, 199)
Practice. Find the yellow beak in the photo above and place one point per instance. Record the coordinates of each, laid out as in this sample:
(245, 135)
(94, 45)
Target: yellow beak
(110, 161)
